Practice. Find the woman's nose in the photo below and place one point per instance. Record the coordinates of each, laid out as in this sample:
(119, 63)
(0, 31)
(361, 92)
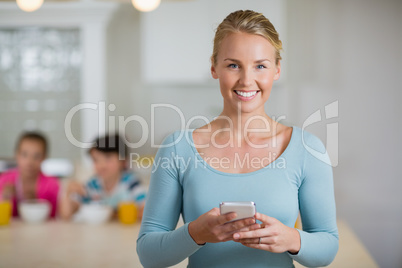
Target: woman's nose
(246, 77)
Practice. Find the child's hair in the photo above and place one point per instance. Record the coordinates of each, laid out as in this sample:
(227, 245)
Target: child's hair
(246, 21)
(33, 135)
(110, 144)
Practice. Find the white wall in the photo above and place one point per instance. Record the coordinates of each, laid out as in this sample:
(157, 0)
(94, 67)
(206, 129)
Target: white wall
(350, 51)
(125, 89)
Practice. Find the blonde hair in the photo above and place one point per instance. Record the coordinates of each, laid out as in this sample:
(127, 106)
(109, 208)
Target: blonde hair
(247, 21)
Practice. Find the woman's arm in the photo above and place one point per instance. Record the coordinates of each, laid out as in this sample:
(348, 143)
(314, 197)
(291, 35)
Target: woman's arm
(319, 237)
(159, 244)
(317, 244)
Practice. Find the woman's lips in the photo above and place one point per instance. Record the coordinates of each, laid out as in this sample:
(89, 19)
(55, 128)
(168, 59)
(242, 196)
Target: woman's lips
(246, 95)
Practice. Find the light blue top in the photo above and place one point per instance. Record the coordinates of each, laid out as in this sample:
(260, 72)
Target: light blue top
(183, 183)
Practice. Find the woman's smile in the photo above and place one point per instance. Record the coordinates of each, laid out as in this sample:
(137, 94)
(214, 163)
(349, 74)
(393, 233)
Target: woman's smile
(246, 95)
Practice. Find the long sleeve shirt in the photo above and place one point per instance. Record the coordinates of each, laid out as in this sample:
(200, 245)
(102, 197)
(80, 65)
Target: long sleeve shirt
(182, 182)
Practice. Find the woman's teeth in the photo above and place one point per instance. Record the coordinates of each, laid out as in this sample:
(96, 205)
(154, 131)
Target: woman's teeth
(245, 94)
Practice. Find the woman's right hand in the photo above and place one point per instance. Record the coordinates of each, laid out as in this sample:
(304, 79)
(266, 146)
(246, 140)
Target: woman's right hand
(212, 227)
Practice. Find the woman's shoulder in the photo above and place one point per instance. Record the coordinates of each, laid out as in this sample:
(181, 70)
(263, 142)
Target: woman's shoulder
(179, 139)
(307, 140)
(310, 146)
(178, 135)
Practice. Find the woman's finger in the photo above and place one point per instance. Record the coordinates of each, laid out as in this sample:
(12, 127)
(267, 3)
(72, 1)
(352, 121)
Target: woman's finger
(255, 226)
(250, 241)
(222, 219)
(264, 240)
(267, 220)
(250, 234)
(234, 226)
(259, 246)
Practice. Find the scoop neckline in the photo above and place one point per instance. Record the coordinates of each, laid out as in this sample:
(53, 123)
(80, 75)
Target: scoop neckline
(197, 154)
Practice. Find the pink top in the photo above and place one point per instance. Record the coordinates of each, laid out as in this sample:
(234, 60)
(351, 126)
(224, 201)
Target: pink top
(47, 188)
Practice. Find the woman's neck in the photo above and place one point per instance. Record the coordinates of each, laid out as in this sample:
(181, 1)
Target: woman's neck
(242, 124)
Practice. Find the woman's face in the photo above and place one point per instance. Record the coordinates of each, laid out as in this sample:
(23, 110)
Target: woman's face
(246, 71)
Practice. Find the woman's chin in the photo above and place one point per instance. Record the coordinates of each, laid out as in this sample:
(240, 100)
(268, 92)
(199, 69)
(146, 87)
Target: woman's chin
(249, 108)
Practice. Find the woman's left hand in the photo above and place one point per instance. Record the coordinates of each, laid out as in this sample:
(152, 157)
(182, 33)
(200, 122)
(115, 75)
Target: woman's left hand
(273, 236)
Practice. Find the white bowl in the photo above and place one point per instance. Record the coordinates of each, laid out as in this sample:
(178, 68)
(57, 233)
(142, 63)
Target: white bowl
(95, 213)
(34, 210)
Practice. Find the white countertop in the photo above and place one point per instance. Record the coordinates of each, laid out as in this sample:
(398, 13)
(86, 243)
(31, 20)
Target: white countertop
(62, 244)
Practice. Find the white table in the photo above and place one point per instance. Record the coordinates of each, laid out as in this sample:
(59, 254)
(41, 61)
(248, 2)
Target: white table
(62, 244)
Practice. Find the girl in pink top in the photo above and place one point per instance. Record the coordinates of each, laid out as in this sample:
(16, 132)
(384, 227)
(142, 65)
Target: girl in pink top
(27, 181)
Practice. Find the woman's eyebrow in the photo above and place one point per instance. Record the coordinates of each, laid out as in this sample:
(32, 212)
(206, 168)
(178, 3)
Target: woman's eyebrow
(257, 61)
(231, 60)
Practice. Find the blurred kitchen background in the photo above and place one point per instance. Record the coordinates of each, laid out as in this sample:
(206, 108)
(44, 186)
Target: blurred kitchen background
(129, 69)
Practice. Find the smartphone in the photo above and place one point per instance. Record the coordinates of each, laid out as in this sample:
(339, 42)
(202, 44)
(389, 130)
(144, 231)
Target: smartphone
(242, 209)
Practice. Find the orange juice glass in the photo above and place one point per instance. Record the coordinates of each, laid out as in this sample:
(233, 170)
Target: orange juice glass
(5, 212)
(127, 212)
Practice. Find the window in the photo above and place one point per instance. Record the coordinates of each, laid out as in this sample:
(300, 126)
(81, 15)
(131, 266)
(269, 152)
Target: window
(40, 80)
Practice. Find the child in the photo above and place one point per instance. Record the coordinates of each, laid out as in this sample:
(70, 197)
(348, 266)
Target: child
(27, 181)
(112, 182)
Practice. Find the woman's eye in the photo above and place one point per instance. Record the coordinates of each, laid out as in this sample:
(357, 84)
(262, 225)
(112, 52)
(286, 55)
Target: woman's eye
(233, 65)
(261, 66)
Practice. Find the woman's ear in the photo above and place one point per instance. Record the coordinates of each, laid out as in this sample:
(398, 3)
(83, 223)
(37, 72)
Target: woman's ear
(278, 71)
(213, 72)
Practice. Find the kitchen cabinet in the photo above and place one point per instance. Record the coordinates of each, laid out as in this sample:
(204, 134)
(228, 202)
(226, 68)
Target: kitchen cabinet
(177, 38)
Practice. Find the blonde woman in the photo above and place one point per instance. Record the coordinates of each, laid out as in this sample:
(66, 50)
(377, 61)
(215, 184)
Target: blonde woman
(243, 155)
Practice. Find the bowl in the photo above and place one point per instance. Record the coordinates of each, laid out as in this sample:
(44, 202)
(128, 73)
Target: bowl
(95, 213)
(34, 210)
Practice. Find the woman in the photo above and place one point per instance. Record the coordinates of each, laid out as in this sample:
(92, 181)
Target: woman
(243, 155)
